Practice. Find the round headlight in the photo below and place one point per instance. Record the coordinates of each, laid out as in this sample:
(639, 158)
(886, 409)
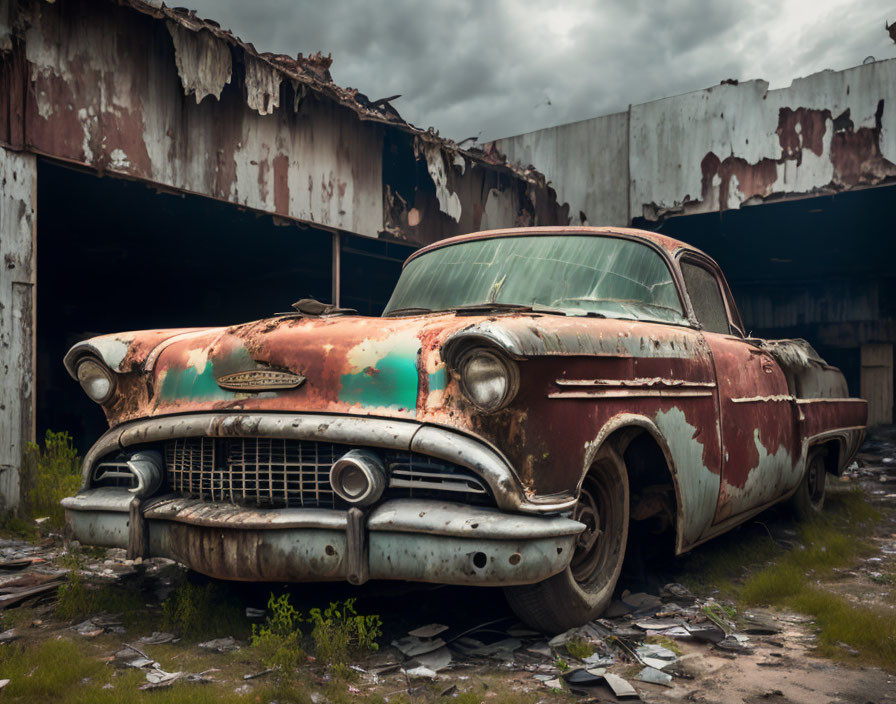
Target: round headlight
(96, 380)
(488, 380)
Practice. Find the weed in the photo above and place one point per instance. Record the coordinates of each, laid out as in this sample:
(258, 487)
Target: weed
(73, 600)
(561, 664)
(197, 611)
(579, 648)
(12, 526)
(339, 630)
(49, 474)
(78, 599)
(884, 578)
(277, 641)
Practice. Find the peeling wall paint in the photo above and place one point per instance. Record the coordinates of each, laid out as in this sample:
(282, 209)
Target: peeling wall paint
(449, 203)
(203, 63)
(734, 144)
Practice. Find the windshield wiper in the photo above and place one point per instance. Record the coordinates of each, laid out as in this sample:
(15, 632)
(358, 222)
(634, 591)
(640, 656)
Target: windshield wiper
(407, 311)
(509, 307)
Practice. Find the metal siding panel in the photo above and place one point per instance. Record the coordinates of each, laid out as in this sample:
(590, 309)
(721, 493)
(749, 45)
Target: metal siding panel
(18, 175)
(586, 163)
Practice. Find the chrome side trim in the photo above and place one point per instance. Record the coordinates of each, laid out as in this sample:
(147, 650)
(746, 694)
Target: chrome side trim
(628, 393)
(441, 443)
(764, 399)
(637, 383)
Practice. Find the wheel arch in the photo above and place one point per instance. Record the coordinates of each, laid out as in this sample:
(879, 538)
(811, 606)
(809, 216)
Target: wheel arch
(619, 432)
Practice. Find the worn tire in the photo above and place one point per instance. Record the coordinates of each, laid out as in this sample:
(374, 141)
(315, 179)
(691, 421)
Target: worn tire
(582, 591)
(808, 501)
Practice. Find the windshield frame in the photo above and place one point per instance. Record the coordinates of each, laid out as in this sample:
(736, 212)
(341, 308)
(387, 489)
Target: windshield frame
(687, 318)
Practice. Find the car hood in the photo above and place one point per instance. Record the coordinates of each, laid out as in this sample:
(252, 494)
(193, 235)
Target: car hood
(387, 367)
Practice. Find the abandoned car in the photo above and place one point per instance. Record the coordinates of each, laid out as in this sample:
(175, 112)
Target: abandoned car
(529, 401)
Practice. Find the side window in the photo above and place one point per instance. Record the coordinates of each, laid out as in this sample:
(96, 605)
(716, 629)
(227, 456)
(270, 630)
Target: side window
(706, 297)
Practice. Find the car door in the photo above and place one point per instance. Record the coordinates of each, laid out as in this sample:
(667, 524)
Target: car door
(757, 414)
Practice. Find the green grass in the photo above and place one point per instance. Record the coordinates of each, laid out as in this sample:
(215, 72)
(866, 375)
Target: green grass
(200, 611)
(79, 599)
(60, 671)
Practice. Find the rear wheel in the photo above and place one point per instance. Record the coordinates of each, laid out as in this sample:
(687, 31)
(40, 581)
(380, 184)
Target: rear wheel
(583, 590)
(808, 500)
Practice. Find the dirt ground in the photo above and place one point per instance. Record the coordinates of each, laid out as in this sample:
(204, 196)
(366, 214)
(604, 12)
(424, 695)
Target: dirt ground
(492, 657)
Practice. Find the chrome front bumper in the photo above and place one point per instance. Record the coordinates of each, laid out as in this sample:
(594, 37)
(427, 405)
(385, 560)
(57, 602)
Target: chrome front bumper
(404, 539)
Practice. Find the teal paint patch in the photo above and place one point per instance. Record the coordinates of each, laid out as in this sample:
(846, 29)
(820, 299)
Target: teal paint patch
(390, 383)
(438, 380)
(190, 384)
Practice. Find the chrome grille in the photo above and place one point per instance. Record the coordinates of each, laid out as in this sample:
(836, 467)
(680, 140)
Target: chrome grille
(421, 475)
(278, 473)
(266, 472)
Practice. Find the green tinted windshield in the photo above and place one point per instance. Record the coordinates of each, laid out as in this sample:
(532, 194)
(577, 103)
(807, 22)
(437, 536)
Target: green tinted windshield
(609, 276)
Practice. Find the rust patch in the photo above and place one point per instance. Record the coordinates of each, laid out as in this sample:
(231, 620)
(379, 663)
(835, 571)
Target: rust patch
(752, 180)
(801, 129)
(856, 154)
(281, 183)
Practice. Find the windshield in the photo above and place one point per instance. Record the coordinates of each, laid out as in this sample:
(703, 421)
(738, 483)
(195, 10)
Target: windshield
(578, 275)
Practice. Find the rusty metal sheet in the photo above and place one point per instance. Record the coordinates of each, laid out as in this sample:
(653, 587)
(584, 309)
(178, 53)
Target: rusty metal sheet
(158, 94)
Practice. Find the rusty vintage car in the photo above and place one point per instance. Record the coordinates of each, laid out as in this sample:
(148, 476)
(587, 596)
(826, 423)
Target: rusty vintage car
(530, 400)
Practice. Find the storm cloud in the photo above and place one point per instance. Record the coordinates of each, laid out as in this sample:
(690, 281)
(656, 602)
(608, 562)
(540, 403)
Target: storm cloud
(488, 69)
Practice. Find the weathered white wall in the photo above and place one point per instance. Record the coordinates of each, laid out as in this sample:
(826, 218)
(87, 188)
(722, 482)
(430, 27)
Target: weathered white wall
(586, 163)
(743, 125)
(722, 147)
(18, 181)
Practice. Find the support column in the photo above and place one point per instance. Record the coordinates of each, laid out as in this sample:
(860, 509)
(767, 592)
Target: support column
(336, 271)
(18, 195)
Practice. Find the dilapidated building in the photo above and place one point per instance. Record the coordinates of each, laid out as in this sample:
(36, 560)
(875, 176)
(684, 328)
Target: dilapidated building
(156, 171)
(791, 190)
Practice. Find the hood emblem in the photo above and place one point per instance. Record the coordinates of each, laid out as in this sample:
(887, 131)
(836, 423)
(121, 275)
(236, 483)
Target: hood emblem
(260, 380)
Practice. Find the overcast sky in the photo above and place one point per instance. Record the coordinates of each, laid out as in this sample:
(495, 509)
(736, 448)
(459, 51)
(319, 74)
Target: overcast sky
(494, 68)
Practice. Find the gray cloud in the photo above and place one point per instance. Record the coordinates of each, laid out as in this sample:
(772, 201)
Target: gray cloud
(501, 67)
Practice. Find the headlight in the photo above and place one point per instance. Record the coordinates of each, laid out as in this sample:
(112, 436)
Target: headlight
(96, 379)
(488, 379)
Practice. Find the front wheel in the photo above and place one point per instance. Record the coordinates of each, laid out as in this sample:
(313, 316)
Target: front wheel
(582, 591)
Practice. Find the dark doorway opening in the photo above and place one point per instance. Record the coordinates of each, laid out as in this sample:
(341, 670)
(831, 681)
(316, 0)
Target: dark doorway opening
(116, 255)
(370, 269)
(817, 268)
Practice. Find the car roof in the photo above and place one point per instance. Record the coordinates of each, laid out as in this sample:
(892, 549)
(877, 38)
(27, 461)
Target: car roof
(667, 243)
